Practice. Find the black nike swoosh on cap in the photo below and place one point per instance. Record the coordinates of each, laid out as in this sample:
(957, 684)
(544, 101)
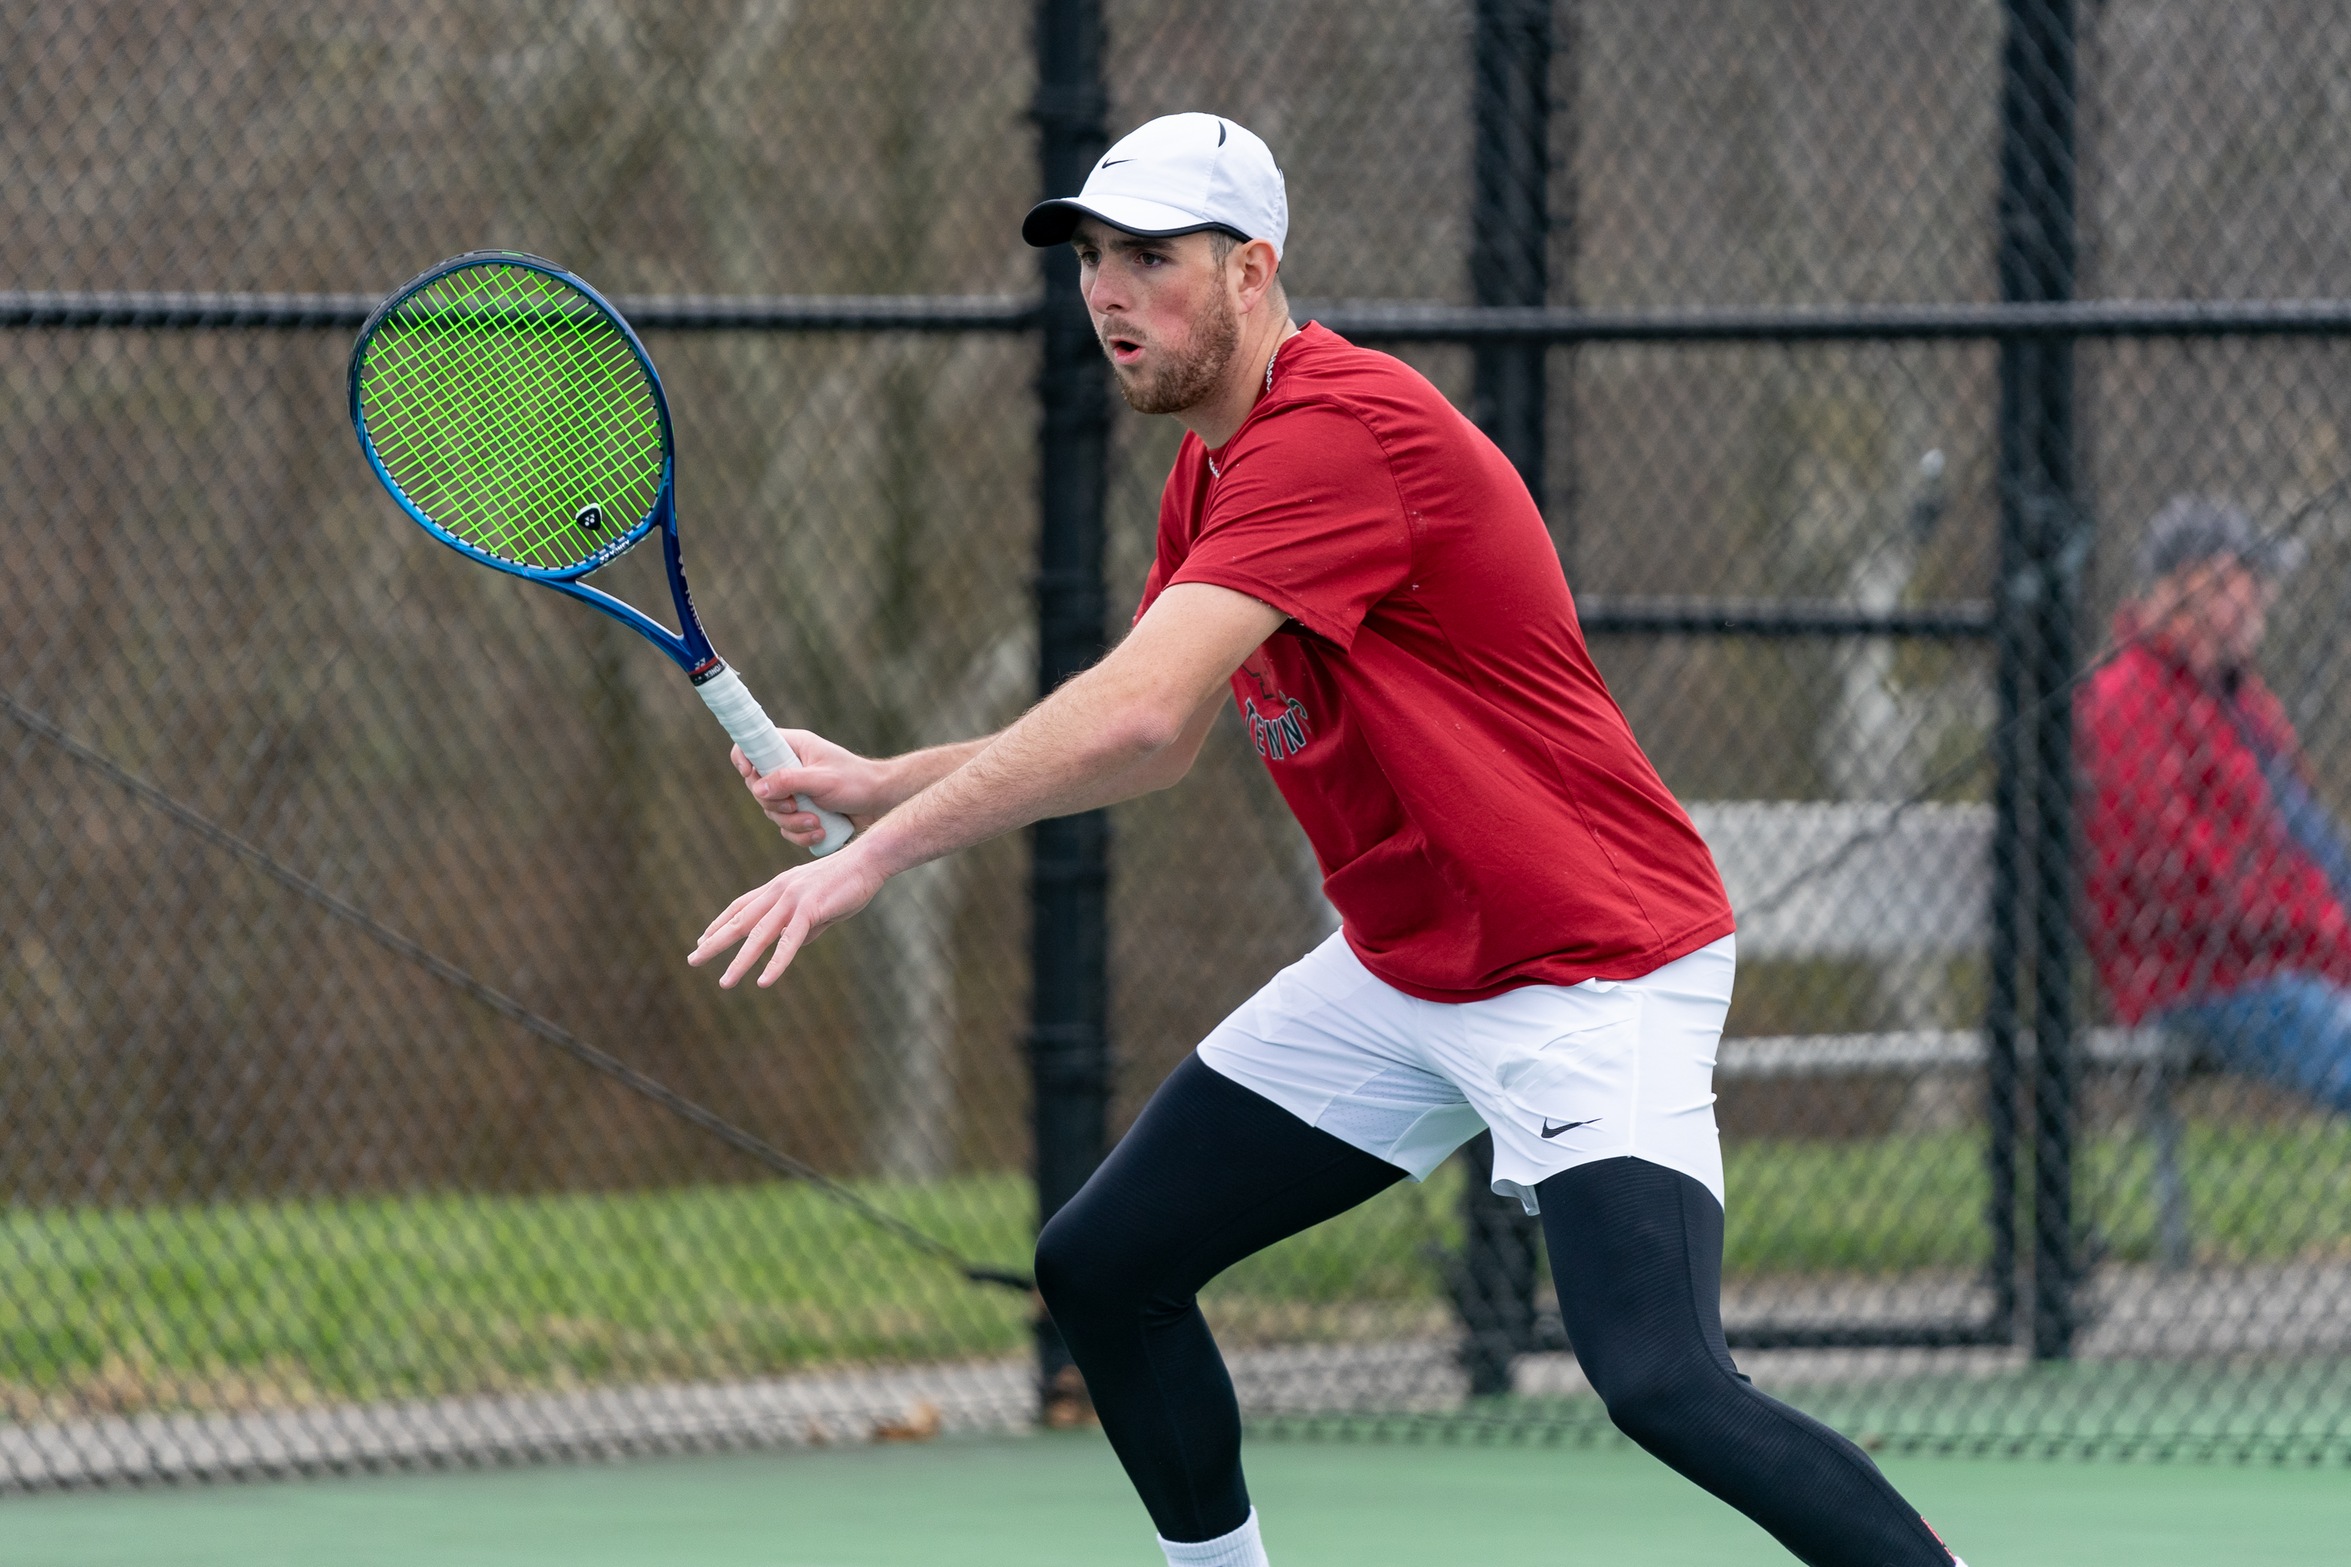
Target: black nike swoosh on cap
(1112, 162)
(1550, 1131)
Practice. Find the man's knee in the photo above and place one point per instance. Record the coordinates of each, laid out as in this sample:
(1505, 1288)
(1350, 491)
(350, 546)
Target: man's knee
(1064, 1265)
(1085, 1267)
(1658, 1394)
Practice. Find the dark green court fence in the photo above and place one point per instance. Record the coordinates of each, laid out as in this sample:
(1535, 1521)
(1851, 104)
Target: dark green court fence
(1849, 347)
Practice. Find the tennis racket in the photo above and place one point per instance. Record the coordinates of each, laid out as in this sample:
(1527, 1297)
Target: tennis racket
(511, 412)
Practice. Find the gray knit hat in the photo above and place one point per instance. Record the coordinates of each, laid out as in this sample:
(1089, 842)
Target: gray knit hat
(2191, 528)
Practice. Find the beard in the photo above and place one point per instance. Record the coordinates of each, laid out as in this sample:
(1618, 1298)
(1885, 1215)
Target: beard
(1186, 379)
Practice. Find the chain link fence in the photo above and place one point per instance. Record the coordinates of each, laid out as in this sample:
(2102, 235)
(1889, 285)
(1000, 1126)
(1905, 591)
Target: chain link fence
(1852, 494)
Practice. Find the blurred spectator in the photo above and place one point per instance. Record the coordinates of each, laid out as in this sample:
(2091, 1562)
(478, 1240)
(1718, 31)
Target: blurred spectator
(2216, 883)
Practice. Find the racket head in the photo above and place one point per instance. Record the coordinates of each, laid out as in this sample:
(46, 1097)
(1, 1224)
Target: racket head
(514, 415)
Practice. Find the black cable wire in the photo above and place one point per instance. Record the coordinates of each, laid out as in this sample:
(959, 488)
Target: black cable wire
(542, 1028)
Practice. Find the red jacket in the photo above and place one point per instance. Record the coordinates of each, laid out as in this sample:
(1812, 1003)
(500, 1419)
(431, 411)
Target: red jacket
(2193, 884)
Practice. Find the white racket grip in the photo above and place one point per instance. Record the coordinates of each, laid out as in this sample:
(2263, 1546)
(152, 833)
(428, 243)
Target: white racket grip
(739, 710)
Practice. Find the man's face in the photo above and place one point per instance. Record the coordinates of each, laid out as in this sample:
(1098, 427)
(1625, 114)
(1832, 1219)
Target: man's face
(1164, 311)
(2213, 611)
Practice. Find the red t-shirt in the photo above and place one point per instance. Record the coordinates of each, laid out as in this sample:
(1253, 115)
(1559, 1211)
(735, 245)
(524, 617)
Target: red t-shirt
(1481, 812)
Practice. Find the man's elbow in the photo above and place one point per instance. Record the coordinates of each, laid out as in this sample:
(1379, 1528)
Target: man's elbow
(1145, 732)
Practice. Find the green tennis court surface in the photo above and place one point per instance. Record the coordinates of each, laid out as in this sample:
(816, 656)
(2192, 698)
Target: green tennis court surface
(1061, 1502)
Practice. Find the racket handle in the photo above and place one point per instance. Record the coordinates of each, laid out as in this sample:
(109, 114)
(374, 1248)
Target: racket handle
(766, 749)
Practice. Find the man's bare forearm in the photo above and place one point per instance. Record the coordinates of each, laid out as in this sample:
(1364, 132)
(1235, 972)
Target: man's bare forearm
(1132, 723)
(914, 771)
(1073, 752)
(1129, 725)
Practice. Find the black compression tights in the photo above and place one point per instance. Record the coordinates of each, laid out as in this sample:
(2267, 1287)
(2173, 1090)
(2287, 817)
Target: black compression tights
(1213, 1172)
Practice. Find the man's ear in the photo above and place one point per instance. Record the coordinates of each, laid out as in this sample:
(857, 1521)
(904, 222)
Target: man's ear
(1254, 268)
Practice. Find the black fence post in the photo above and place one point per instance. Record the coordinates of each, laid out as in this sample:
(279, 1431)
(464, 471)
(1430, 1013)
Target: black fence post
(1510, 222)
(2010, 916)
(1562, 472)
(2045, 543)
(1494, 1285)
(1509, 264)
(1069, 1035)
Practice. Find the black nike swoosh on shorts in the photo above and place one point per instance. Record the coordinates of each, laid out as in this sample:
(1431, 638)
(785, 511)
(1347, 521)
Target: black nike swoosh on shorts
(1550, 1131)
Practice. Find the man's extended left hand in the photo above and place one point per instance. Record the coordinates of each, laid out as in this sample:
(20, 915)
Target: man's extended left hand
(789, 912)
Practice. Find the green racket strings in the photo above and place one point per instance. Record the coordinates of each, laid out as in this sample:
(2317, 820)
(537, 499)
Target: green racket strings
(514, 414)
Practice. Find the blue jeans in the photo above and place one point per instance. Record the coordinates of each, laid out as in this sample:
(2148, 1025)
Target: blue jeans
(2290, 1029)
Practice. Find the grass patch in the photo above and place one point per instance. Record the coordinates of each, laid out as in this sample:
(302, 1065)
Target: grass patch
(1897, 1204)
(280, 1303)
(285, 1302)
(237, 1305)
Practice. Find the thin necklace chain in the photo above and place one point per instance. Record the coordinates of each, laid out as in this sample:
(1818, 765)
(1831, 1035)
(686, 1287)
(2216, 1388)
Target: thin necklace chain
(1213, 473)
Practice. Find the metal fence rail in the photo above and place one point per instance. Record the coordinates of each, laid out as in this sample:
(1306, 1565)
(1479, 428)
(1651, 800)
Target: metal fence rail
(1849, 354)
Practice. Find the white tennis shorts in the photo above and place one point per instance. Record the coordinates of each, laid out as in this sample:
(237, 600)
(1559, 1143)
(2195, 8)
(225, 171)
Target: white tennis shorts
(1562, 1074)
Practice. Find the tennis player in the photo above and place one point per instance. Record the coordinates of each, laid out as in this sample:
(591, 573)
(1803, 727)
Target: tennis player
(1535, 940)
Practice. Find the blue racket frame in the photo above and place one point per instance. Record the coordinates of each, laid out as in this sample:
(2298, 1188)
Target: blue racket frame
(689, 646)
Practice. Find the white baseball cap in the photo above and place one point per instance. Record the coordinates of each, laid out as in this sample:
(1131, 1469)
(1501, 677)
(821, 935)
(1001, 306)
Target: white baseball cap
(1178, 174)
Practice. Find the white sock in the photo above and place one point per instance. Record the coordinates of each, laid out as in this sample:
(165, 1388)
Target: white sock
(1241, 1548)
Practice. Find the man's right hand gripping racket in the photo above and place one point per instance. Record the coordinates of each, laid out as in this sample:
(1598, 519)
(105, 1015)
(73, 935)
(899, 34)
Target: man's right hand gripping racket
(511, 412)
